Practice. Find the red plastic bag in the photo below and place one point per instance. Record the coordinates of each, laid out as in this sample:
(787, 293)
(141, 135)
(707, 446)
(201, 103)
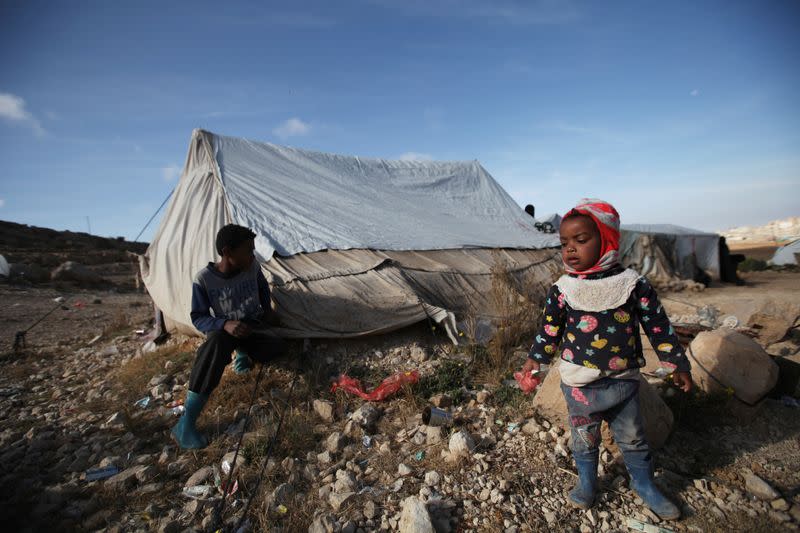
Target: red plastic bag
(388, 386)
(527, 382)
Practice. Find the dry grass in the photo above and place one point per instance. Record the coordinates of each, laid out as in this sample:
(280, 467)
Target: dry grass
(740, 521)
(131, 380)
(515, 298)
(119, 324)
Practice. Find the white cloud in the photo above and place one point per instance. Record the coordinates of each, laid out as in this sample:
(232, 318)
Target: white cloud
(12, 108)
(292, 128)
(695, 92)
(2, 202)
(415, 156)
(170, 172)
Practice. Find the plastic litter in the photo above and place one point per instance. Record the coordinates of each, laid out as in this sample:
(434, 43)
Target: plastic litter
(512, 427)
(282, 509)
(142, 403)
(366, 440)
(388, 386)
(528, 381)
(433, 416)
(637, 525)
(93, 474)
(199, 492)
(788, 401)
(420, 455)
(177, 410)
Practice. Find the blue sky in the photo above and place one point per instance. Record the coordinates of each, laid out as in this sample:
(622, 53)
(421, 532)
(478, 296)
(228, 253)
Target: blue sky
(682, 112)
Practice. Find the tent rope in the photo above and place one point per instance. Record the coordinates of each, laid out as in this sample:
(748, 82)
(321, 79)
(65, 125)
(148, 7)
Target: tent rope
(153, 216)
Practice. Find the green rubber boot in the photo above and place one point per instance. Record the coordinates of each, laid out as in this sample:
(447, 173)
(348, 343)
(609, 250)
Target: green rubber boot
(185, 431)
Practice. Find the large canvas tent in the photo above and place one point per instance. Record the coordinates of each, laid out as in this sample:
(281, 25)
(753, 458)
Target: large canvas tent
(350, 245)
(668, 251)
(787, 254)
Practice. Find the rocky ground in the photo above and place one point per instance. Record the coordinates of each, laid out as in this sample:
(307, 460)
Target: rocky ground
(68, 404)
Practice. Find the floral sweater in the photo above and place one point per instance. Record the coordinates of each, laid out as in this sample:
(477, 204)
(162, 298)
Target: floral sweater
(596, 322)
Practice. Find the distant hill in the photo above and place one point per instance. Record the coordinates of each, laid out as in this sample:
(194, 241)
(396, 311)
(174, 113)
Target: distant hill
(777, 231)
(44, 249)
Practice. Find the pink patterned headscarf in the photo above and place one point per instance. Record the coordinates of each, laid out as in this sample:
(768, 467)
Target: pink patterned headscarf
(606, 219)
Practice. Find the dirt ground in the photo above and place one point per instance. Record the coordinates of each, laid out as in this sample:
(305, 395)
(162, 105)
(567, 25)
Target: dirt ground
(58, 382)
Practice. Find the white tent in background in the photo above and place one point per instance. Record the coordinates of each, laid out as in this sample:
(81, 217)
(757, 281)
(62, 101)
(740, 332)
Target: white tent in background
(669, 251)
(5, 270)
(787, 254)
(350, 245)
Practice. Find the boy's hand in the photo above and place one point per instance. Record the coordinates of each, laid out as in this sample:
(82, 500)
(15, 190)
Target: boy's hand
(682, 380)
(529, 365)
(237, 328)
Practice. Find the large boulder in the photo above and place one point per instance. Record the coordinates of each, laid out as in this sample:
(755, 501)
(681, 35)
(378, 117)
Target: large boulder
(724, 359)
(656, 415)
(76, 273)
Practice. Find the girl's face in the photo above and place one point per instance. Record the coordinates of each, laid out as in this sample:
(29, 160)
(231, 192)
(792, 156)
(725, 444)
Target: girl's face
(580, 242)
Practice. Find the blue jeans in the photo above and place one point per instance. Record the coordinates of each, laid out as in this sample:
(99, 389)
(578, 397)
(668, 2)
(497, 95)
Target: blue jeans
(617, 402)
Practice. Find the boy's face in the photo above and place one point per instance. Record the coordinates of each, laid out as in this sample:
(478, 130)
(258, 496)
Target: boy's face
(241, 257)
(580, 242)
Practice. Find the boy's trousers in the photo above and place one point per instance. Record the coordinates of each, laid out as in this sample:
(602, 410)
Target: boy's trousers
(617, 402)
(215, 354)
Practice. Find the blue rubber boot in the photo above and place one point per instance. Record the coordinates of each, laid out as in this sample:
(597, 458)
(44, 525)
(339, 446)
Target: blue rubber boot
(582, 496)
(185, 431)
(242, 364)
(642, 483)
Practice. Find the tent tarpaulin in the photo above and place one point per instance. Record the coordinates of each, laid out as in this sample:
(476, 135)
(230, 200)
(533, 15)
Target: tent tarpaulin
(669, 251)
(787, 254)
(350, 245)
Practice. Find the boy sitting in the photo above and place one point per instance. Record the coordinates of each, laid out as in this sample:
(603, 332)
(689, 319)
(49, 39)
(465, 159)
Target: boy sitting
(229, 298)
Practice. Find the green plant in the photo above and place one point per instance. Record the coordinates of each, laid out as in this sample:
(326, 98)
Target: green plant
(449, 378)
(752, 265)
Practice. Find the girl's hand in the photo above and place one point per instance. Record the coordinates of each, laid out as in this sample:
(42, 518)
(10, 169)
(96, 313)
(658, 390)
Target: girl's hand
(682, 380)
(529, 365)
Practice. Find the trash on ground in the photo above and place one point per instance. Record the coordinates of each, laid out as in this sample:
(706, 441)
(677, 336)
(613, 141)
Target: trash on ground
(93, 474)
(433, 416)
(388, 386)
(637, 525)
(527, 382)
(142, 403)
(199, 492)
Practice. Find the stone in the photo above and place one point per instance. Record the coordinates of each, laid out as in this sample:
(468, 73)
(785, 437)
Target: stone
(432, 478)
(76, 273)
(780, 504)
(338, 499)
(366, 415)
(324, 410)
(461, 444)
(281, 495)
(726, 359)
(531, 427)
(758, 487)
(370, 510)
(227, 461)
(433, 435)
(125, 479)
(418, 353)
(657, 416)
(323, 524)
(324, 457)
(335, 442)
(483, 396)
(404, 470)
(345, 482)
(414, 517)
(199, 477)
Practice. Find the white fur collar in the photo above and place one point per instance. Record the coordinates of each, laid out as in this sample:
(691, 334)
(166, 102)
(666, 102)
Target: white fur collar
(598, 294)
